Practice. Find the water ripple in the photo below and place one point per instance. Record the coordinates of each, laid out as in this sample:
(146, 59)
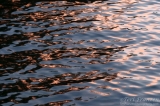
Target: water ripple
(83, 53)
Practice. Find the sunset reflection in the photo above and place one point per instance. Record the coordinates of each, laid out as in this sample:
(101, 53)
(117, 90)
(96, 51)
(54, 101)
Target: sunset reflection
(78, 53)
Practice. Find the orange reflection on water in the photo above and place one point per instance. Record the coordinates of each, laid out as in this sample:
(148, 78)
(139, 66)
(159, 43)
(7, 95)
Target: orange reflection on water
(128, 93)
(154, 81)
(100, 93)
(153, 92)
(154, 36)
(114, 17)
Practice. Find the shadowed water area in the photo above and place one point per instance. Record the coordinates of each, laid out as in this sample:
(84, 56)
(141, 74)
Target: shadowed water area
(90, 53)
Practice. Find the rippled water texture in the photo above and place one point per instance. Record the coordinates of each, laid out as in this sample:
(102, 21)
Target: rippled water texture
(60, 53)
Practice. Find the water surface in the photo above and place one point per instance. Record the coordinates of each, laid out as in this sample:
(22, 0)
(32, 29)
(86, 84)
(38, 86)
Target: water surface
(59, 53)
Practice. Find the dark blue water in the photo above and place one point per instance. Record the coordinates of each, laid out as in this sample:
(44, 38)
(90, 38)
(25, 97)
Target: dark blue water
(63, 53)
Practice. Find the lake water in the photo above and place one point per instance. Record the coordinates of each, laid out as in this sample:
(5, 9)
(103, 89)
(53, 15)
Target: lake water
(63, 53)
